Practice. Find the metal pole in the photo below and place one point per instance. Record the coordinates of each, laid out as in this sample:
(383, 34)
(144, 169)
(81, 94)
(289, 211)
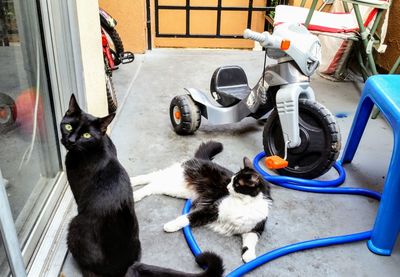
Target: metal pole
(364, 38)
(395, 66)
(148, 24)
(310, 13)
(9, 234)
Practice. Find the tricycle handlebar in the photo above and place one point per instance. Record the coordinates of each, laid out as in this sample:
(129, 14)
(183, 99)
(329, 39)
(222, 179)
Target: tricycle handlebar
(293, 39)
(265, 39)
(260, 37)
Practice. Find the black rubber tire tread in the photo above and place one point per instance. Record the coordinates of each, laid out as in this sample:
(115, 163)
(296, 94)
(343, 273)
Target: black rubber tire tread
(119, 46)
(190, 115)
(331, 130)
(111, 95)
(117, 41)
(8, 101)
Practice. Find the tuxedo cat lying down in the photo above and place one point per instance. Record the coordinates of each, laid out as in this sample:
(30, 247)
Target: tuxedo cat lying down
(104, 237)
(230, 204)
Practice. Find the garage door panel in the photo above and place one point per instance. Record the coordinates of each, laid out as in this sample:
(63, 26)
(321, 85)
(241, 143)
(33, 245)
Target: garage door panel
(172, 22)
(207, 23)
(203, 22)
(233, 22)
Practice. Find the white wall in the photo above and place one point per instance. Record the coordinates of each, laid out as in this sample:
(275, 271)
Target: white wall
(92, 56)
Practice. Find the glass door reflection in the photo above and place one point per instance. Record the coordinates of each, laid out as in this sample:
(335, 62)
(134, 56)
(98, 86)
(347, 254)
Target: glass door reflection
(29, 151)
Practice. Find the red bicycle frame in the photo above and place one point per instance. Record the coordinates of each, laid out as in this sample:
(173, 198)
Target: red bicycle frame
(106, 51)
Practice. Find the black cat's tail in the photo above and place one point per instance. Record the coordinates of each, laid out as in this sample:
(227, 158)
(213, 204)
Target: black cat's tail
(211, 261)
(208, 150)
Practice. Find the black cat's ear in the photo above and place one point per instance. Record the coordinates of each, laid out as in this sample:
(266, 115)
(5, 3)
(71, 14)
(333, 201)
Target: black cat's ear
(105, 121)
(247, 162)
(73, 107)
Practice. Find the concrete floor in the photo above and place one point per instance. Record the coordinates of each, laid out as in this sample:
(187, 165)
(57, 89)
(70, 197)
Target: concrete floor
(146, 142)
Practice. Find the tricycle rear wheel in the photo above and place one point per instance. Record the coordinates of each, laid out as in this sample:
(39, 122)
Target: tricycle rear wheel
(320, 141)
(184, 114)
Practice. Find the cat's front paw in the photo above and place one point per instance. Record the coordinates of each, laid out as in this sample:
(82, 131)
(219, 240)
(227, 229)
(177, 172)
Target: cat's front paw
(138, 180)
(139, 195)
(248, 256)
(171, 227)
(176, 224)
(136, 197)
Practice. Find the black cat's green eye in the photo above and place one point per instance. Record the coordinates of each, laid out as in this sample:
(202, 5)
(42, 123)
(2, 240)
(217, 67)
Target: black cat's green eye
(68, 127)
(86, 135)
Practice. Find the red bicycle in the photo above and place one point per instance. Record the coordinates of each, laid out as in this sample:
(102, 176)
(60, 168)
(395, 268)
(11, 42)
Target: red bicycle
(109, 66)
(113, 53)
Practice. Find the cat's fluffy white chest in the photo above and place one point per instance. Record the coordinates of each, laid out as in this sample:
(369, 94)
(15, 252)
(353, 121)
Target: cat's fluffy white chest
(238, 215)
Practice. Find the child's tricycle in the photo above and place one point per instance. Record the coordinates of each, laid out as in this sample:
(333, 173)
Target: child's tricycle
(297, 128)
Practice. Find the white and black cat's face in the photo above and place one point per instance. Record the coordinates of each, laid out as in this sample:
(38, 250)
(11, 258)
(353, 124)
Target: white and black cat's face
(81, 131)
(247, 181)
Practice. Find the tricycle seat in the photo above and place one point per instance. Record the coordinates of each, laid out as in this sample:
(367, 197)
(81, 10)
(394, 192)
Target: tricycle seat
(229, 85)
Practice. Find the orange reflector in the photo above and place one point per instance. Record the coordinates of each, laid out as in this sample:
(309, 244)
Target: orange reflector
(285, 44)
(275, 162)
(178, 115)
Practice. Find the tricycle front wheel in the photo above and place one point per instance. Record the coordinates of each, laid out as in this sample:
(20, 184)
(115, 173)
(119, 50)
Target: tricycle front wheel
(184, 114)
(320, 141)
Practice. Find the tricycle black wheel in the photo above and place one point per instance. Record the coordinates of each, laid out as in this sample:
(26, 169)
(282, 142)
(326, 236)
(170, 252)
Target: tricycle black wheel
(8, 113)
(320, 141)
(184, 114)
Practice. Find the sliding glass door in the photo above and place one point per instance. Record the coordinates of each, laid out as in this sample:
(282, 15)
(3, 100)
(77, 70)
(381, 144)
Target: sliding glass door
(30, 159)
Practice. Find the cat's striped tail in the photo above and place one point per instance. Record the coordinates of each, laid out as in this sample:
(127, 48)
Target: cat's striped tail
(208, 150)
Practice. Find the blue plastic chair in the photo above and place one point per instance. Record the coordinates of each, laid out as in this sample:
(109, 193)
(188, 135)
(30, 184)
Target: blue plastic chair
(384, 92)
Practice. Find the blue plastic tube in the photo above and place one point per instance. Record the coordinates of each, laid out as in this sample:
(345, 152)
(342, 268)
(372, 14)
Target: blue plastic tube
(194, 247)
(314, 186)
(300, 246)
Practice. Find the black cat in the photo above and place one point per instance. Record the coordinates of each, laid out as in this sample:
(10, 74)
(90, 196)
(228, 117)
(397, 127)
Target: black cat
(104, 236)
